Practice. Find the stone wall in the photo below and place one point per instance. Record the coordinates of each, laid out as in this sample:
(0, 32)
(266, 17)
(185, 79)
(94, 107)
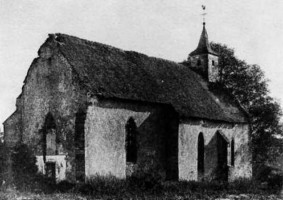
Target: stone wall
(206, 65)
(199, 64)
(12, 129)
(213, 69)
(60, 165)
(105, 138)
(50, 86)
(189, 131)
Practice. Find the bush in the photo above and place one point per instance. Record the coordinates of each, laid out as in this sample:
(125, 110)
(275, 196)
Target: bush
(25, 176)
(65, 186)
(244, 186)
(24, 167)
(145, 182)
(2, 162)
(269, 175)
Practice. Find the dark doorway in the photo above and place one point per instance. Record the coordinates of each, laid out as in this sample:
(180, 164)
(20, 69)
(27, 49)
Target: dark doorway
(222, 165)
(80, 145)
(50, 172)
(200, 156)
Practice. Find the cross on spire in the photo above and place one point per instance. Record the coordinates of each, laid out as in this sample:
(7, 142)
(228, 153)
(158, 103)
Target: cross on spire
(203, 14)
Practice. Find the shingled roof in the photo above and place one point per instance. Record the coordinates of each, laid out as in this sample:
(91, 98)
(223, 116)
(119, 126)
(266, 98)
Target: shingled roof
(112, 72)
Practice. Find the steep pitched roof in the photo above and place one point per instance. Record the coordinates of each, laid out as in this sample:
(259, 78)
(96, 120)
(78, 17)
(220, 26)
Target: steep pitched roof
(112, 72)
(203, 45)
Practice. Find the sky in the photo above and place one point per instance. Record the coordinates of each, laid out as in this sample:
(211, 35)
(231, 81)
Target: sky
(160, 28)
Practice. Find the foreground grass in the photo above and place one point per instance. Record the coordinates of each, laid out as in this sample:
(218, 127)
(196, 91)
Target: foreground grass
(144, 188)
(16, 195)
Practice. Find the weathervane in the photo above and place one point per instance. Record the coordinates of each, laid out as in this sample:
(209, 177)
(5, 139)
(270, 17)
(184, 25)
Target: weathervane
(203, 14)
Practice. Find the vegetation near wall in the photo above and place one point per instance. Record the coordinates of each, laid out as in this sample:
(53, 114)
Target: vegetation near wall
(250, 86)
(25, 178)
(24, 169)
(2, 163)
(247, 83)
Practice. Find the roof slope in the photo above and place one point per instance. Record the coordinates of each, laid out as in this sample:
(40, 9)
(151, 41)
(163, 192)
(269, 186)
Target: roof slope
(203, 45)
(112, 72)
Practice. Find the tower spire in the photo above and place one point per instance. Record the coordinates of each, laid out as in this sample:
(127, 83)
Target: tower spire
(203, 59)
(203, 45)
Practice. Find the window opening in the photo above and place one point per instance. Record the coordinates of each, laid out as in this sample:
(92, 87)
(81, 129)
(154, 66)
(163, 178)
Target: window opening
(131, 141)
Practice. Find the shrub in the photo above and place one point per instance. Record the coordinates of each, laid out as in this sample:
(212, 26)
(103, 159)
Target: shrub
(146, 182)
(24, 167)
(270, 175)
(25, 176)
(2, 162)
(65, 186)
(243, 186)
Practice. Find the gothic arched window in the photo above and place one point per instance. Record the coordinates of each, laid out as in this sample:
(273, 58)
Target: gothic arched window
(80, 145)
(232, 152)
(200, 154)
(131, 141)
(49, 136)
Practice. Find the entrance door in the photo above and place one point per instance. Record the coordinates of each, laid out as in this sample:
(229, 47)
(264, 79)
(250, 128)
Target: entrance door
(222, 167)
(50, 171)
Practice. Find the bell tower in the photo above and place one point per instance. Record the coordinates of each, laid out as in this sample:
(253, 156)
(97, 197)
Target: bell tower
(203, 59)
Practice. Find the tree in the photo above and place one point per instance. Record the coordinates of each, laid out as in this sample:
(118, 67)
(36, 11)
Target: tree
(249, 85)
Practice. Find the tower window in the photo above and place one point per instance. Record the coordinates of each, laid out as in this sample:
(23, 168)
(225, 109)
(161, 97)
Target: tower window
(198, 62)
(213, 63)
(131, 141)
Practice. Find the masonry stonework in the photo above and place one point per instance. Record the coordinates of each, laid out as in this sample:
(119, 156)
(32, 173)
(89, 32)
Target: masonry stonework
(50, 87)
(106, 136)
(12, 129)
(189, 131)
(78, 97)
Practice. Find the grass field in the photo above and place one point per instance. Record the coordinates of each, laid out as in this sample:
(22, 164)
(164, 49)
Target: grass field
(15, 195)
(112, 188)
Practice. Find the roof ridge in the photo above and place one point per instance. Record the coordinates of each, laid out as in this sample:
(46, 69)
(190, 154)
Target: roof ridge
(113, 72)
(87, 42)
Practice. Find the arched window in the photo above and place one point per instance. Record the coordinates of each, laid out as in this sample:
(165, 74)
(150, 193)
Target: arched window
(222, 143)
(80, 131)
(232, 152)
(49, 136)
(80, 145)
(131, 141)
(200, 155)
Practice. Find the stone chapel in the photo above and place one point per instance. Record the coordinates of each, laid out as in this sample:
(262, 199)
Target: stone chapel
(90, 109)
